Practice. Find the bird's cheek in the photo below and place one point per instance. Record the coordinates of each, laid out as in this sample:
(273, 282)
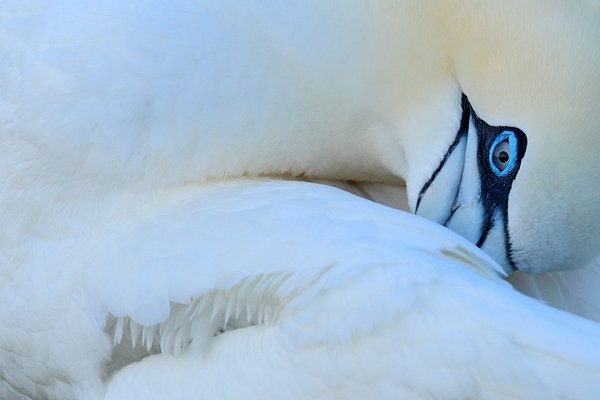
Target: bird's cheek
(529, 235)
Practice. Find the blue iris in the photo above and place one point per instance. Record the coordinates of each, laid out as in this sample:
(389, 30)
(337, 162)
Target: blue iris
(503, 153)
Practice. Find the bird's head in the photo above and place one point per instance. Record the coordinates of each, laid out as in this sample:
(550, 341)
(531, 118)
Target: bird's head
(517, 171)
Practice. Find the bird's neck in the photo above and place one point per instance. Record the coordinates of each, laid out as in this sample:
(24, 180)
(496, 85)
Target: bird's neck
(315, 91)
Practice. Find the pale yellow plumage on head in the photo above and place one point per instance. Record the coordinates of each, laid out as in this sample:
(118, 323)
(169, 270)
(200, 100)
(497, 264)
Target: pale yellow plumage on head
(116, 118)
(337, 90)
(537, 67)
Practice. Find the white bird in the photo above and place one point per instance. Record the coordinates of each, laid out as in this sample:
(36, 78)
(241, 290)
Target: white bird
(149, 95)
(115, 115)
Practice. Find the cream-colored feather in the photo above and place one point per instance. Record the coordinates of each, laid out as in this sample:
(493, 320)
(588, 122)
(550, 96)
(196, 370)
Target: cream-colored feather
(116, 117)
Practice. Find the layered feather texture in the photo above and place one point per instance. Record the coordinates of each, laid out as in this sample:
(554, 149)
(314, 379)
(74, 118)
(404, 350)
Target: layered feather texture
(574, 291)
(274, 289)
(337, 296)
(115, 247)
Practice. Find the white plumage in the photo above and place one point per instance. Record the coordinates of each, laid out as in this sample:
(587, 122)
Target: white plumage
(281, 289)
(116, 244)
(140, 95)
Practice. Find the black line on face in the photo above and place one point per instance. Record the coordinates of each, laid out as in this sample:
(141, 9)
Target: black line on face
(495, 189)
(462, 131)
(485, 229)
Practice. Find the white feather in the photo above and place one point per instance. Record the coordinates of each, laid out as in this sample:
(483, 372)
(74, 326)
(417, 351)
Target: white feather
(115, 115)
(361, 299)
(366, 300)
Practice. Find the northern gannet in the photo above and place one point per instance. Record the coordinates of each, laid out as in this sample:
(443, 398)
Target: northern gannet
(117, 115)
(371, 91)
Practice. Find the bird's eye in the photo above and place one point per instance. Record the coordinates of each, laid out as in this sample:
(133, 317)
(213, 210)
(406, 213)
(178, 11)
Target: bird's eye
(503, 153)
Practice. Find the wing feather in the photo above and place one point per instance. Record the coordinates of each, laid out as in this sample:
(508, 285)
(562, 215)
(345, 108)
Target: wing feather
(294, 289)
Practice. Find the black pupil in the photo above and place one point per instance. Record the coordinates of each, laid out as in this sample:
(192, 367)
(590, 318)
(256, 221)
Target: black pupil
(503, 157)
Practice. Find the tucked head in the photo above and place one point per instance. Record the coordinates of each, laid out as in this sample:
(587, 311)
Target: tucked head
(518, 171)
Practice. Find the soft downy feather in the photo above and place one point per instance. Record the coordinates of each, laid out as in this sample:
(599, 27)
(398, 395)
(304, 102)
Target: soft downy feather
(311, 320)
(106, 208)
(573, 290)
(268, 289)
